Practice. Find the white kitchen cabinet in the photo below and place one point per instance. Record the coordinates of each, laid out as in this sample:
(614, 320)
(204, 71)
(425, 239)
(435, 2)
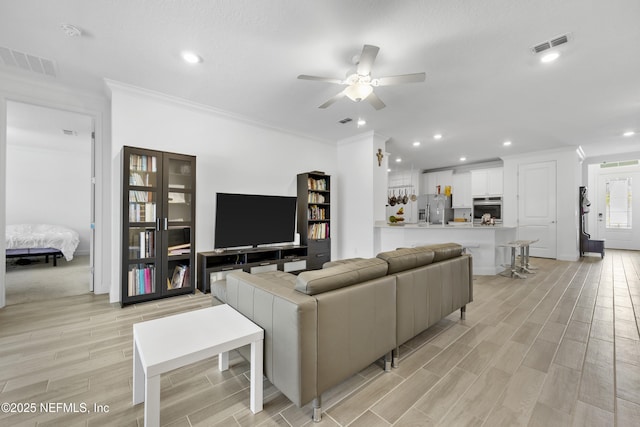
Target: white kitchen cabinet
(431, 180)
(487, 182)
(461, 190)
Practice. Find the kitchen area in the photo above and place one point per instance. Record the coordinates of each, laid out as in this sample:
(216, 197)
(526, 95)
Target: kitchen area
(462, 206)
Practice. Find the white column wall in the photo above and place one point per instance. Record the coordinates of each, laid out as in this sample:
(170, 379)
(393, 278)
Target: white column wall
(362, 197)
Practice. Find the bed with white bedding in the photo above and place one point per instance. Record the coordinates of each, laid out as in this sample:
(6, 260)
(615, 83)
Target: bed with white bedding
(41, 239)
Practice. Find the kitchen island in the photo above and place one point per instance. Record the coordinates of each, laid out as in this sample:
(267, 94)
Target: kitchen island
(482, 241)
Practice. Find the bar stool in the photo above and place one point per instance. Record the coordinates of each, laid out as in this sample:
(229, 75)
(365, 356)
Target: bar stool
(524, 255)
(512, 269)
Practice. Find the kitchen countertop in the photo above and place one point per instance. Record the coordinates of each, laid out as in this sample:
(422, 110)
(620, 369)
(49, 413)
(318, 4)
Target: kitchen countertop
(424, 225)
(486, 243)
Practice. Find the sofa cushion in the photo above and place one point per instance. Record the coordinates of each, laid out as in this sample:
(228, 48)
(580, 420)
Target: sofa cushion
(347, 274)
(407, 258)
(280, 278)
(444, 251)
(340, 262)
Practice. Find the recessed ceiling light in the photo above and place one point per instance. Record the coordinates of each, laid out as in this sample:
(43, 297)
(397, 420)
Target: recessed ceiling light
(437, 136)
(361, 122)
(191, 58)
(416, 143)
(550, 57)
(398, 160)
(388, 170)
(629, 133)
(506, 143)
(463, 159)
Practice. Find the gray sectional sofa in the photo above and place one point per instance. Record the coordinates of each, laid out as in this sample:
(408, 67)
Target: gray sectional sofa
(323, 326)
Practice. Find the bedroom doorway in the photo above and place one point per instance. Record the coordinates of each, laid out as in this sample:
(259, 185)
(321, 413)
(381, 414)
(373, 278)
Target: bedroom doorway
(49, 181)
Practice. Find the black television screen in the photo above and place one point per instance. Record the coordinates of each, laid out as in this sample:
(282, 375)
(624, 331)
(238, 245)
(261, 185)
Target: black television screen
(252, 220)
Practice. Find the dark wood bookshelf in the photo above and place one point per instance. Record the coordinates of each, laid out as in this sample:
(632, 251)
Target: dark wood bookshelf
(314, 216)
(158, 216)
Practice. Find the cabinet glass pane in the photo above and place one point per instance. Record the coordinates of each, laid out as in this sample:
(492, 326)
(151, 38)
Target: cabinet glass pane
(142, 242)
(179, 207)
(143, 170)
(141, 279)
(179, 174)
(142, 206)
(178, 241)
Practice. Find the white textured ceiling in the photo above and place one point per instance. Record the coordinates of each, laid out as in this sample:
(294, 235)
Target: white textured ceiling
(484, 85)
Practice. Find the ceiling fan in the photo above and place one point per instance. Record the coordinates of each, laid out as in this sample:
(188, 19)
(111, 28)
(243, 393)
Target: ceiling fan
(360, 84)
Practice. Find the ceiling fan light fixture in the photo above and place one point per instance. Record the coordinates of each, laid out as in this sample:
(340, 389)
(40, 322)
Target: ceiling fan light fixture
(358, 91)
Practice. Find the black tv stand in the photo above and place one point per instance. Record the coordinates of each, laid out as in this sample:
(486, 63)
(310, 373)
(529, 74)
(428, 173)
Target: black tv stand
(288, 258)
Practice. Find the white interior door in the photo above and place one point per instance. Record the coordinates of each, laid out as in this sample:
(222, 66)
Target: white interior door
(618, 212)
(537, 207)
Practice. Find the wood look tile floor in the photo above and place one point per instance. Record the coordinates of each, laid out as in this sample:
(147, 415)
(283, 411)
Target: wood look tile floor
(560, 348)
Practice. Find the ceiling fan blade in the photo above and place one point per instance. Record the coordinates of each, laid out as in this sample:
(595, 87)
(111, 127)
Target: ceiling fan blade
(367, 57)
(337, 97)
(405, 78)
(321, 79)
(375, 101)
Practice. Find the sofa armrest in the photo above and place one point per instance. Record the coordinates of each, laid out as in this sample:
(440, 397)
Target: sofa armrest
(289, 320)
(356, 326)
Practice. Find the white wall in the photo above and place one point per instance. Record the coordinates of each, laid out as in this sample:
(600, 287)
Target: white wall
(22, 89)
(233, 155)
(50, 185)
(569, 180)
(363, 189)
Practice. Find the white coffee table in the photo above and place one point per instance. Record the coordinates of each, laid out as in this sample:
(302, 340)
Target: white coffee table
(164, 344)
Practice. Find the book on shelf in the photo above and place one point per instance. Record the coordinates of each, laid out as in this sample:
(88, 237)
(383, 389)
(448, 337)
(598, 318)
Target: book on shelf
(142, 212)
(179, 278)
(183, 251)
(316, 198)
(142, 162)
(315, 212)
(136, 179)
(319, 231)
(146, 243)
(317, 184)
(176, 198)
(141, 281)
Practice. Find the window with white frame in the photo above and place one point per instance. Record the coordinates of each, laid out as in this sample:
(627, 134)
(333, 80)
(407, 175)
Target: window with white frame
(618, 203)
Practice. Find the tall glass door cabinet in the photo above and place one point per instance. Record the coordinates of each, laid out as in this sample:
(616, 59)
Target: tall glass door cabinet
(158, 224)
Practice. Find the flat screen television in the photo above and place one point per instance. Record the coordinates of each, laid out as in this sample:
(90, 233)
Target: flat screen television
(252, 220)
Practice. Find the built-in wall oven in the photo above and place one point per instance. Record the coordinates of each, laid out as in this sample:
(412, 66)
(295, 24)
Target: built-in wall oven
(487, 205)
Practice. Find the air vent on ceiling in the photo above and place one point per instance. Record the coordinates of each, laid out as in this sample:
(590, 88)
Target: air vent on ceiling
(618, 164)
(346, 120)
(27, 62)
(551, 43)
(69, 132)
